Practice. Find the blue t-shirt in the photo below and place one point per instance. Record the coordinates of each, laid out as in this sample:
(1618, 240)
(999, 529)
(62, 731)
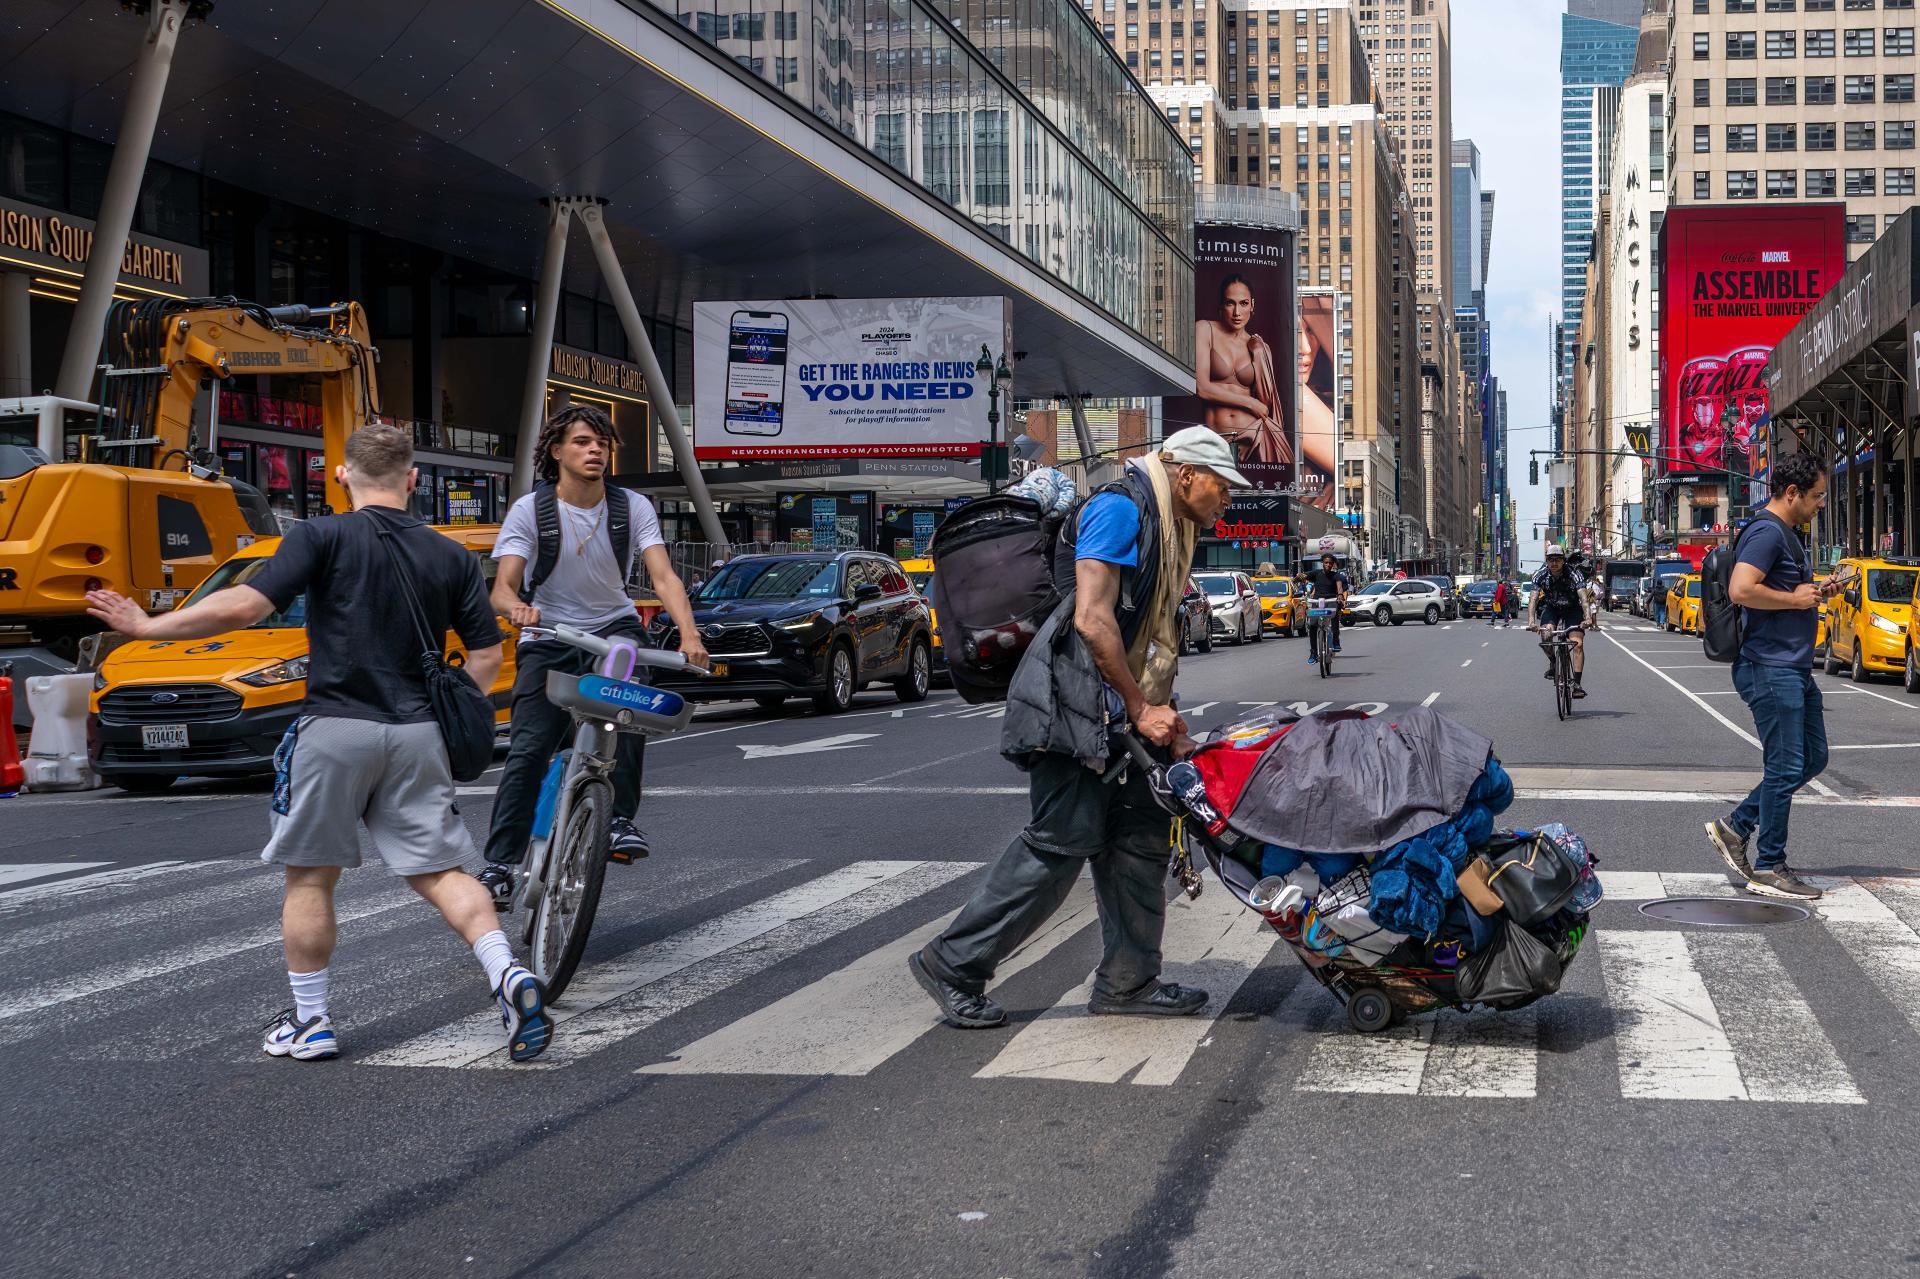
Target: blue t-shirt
(1777, 637)
(1109, 530)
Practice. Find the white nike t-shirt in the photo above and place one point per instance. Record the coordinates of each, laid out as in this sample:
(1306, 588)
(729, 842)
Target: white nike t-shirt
(585, 589)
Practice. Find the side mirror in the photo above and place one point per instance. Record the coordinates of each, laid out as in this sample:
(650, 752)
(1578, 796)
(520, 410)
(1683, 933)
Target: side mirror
(866, 591)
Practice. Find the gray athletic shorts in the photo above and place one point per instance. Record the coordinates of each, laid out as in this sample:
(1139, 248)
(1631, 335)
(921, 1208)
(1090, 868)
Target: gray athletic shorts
(332, 775)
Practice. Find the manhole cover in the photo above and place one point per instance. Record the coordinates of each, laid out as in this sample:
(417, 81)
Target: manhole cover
(1724, 912)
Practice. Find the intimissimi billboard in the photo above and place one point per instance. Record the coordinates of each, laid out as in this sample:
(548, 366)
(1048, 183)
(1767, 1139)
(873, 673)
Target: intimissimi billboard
(1734, 280)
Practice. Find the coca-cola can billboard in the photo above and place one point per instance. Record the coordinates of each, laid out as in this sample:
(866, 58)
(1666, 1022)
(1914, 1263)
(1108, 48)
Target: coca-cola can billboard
(1733, 282)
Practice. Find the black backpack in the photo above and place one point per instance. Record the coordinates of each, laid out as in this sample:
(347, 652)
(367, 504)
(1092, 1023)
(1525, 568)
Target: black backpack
(1722, 625)
(546, 521)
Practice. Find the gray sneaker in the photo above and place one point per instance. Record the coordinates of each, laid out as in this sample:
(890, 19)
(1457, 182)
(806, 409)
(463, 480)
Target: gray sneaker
(1783, 884)
(1732, 848)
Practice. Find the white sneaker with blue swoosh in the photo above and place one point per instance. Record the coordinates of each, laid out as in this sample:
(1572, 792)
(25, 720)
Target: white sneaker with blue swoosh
(309, 1040)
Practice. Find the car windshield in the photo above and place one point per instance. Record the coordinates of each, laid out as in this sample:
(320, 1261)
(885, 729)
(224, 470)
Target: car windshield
(772, 580)
(1273, 585)
(1693, 589)
(1375, 588)
(922, 579)
(1216, 583)
(237, 572)
(1891, 585)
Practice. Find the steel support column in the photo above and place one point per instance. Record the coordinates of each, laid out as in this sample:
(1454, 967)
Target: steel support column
(546, 309)
(593, 216)
(129, 165)
(16, 334)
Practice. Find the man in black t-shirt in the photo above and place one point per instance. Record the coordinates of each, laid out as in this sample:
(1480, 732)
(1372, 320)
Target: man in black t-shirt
(366, 748)
(1326, 583)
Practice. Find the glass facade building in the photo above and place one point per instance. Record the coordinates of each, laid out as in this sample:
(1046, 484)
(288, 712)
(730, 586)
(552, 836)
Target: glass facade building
(1596, 57)
(1016, 113)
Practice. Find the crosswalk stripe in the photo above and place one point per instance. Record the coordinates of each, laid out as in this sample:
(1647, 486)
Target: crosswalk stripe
(1782, 1052)
(198, 904)
(1670, 1040)
(65, 990)
(1480, 1053)
(852, 1021)
(40, 870)
(1875, 937)
(1214, 944)
(1631, 885)
(474, 1038)
(106, 882)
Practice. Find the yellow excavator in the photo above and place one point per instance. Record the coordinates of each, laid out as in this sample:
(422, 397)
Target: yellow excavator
(144, 510)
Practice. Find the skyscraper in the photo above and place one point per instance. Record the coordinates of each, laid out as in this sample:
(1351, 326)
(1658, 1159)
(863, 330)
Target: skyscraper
(1597, 41)
(1409, 44)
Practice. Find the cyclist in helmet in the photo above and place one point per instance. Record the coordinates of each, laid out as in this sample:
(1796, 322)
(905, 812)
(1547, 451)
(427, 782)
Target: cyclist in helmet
(1560, 598)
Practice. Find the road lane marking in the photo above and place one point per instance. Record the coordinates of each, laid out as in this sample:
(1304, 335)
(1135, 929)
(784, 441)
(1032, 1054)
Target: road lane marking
(1867, 692)
(1448, 1054)
(1432, 697)
(852, 1021)
(1878, 746)
(1467, 663)
(1201, 709)
(839, 742)
(1213, 944)
(471, 1040)
(1783, 1053)
(1631, 885)
(200, 904)
(932, 763)
(17, 899)
(1816, 784)
(24, 871)
(1671, 1043)
(1876, 936)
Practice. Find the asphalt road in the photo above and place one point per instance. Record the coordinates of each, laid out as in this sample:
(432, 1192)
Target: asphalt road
(749, 1085)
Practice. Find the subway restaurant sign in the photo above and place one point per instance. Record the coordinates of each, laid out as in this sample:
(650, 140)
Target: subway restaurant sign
(59, 242)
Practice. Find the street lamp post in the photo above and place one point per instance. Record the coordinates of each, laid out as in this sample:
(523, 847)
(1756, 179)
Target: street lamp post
(997, 377)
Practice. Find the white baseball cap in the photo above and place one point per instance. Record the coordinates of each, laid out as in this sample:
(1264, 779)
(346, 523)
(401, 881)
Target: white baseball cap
(1203, 446)
(1556, 549)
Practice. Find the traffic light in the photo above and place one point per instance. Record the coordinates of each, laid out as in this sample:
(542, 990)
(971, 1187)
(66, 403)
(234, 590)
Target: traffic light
(993, 463)
(1533, 470)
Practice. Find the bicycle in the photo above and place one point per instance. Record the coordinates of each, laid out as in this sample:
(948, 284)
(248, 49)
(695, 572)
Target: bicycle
(560, 888)
(1320, 633)
(1559, 648)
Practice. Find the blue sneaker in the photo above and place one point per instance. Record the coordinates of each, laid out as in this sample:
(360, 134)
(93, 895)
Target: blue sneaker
(1336, 648)
(523, 1011)
(1313, 659)
(309, 1040)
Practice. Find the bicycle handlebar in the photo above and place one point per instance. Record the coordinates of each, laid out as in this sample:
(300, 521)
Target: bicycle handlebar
(600, 647)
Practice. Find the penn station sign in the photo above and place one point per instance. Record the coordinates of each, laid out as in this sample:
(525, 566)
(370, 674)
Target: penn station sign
(61, 243)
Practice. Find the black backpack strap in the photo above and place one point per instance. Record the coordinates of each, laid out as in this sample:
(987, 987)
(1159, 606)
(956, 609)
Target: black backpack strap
(546, 523)
(620, 528)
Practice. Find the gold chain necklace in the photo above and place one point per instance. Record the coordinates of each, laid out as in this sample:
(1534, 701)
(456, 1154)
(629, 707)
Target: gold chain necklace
(580, 541)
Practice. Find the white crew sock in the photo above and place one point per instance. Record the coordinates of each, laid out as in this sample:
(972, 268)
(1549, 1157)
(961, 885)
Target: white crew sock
(309, 994)
(496, 955)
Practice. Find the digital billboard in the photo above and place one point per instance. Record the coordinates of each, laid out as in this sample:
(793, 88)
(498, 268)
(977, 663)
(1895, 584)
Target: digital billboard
(872, 377)
(1245, 350)
(1319, 432)
(1734, 280)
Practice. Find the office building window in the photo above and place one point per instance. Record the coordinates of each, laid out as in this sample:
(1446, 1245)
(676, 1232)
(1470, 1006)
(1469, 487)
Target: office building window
(1819, 44)
(1859, 88)
(1859, 182)
(1743, 184)
(1742, 92)
(1783, 44)
(1783, 91)
(1858, 42)
(1819, 6)
(1820, 135)
(1702, 139)
(1899, 88)
(1860, 228)
(1702, 187)
(1822, 183)
(1702, 47)
(1701, 90)
(1783, 137)
(1744, 45)
(1898, 135)
(1898, 182)
(1782, 6)
(1857, 6)
(1782, 184)
(1821, 90)
(1860, 135)
(1899, 42)
(1743, 137)
(1740, 6)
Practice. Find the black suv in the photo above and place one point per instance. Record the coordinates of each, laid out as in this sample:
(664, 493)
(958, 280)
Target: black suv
(822, 626)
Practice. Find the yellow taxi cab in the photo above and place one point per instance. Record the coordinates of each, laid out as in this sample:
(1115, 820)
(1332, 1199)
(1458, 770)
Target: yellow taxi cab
(1871, 617)
(1683, 604)
(217, 707)
(1281, 607)
(1823, 627)
(920, 573)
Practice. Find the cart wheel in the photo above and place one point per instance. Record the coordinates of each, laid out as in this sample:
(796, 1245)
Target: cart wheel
(1370, 1011)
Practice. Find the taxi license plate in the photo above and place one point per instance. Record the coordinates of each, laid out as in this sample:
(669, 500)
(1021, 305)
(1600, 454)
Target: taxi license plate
(720, 668)
(164, 737)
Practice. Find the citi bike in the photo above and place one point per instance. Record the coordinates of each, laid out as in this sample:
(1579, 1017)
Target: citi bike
(566, 858)
(1320, 632)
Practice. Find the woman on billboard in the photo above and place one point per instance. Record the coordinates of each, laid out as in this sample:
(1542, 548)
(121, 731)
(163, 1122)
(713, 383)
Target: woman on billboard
(1318, 428)
(1236, 379)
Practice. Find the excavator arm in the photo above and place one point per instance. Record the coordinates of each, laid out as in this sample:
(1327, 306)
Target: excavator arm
(162, 351)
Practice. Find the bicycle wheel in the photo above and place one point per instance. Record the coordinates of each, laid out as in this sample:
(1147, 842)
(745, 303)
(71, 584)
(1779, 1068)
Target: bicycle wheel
(1322, 639)
(1562, 684)
(575, 871)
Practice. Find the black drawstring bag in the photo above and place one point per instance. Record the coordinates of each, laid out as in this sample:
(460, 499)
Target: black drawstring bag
(460, 707)
(1512, 972)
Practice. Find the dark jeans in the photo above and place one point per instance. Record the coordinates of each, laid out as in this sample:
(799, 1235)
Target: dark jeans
(1660, 608)
(1115, 829)
(539, 728)
(1791, 719)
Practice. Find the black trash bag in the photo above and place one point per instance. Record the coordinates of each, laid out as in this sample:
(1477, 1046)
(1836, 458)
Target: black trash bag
(1512, 972)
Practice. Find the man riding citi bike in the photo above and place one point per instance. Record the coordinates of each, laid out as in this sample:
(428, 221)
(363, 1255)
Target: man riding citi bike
(1326, 583)
(564, 551)
(1561, 601)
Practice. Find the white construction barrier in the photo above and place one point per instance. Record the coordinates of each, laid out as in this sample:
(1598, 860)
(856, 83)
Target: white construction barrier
(57, 752)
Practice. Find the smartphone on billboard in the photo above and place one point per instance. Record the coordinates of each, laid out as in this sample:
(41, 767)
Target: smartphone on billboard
(756, 372)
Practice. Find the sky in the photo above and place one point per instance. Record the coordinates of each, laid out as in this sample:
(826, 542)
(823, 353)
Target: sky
(1506, 97)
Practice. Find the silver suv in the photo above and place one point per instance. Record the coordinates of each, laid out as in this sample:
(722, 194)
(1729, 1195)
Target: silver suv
(1397, 601)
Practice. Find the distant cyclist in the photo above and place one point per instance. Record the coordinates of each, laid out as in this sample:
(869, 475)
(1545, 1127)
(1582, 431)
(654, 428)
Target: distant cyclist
(564, 552)
(1326, 583)
(1560, 598)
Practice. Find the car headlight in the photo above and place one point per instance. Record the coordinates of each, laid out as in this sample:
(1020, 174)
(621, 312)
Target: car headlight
(1887, 624)
(99, 682)
(806, 623)
(279, 673)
